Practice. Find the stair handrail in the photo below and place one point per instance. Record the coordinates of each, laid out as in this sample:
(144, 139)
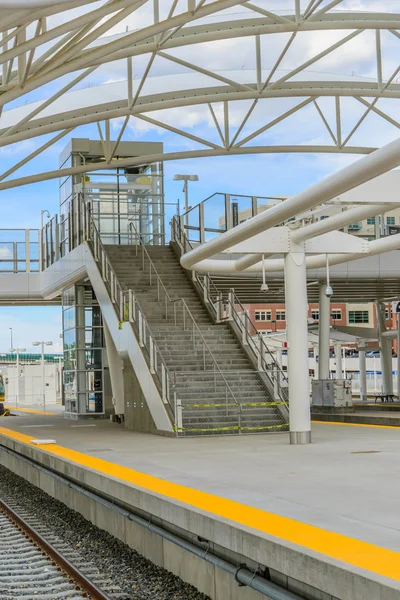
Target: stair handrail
(260, 349)
(186, 309)
(125, 311)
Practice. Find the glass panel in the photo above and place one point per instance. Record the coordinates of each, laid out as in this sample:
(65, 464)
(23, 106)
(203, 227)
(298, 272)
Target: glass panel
(69, 318)
(69, 339)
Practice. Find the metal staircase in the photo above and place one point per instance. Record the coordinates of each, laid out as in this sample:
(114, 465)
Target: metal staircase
(211, 371)
(215, 386)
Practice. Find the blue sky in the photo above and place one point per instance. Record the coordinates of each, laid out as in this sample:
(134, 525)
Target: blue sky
(263, 175)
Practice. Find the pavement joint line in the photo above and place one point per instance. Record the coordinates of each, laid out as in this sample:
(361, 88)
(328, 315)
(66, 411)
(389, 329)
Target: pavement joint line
(357, 553)
(356, 424)
(31, 411)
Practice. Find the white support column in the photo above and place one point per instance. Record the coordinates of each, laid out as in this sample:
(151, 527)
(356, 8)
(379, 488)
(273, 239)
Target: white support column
(297, 336)
(386, 349)
(338, 356)
(324, 327)
(115, 364)
(363, 374)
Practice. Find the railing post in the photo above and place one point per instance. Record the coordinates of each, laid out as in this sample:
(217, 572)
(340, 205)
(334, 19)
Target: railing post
(130, 300)
(164, 384)
(27, 251)
(52, 253)
(205, 288)
(254, 207)
(228, 216)
(112, 287)
(152, 371)
(231, 304)
(260, 352)
(121, 305)
(201, 223)
(140, 326)
(179, 420)
(276, 385)
(103, 266)
(57, 235)
(244, 329)
(220, 315)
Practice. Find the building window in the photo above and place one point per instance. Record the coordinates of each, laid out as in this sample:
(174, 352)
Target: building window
(315, 315)
(391, 220)
(336, 314)
(371, 221)
(387, 313)
(281, 315)
(262, 315)
(358, 316)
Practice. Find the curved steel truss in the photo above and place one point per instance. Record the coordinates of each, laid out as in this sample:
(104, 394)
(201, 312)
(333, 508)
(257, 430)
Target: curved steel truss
(201, 45)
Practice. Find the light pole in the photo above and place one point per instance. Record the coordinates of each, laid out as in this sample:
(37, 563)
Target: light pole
(42, 213)
(17, 351)
(43, 344)
(186, 179)
(10, 328)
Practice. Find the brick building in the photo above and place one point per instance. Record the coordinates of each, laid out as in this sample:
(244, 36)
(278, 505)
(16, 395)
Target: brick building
(271, 318)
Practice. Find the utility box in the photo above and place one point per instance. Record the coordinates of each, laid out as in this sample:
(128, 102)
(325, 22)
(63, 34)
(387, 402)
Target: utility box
(334, 393)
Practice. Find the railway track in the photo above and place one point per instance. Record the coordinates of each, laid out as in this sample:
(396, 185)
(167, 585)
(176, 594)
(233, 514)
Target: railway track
(31, 568)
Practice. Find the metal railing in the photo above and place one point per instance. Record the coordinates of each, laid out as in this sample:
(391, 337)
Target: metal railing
(231, 309)
(220, 212)
(19, 251)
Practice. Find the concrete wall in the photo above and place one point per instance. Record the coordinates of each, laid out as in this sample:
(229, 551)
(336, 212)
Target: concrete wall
(137, 414)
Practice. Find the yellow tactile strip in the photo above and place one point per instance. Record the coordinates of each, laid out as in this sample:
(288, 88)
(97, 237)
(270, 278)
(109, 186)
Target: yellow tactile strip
(363, 555)
(31, 411)
(356, 424)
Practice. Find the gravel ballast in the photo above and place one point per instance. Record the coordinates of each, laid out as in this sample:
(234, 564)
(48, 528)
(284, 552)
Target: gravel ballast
(137, 577)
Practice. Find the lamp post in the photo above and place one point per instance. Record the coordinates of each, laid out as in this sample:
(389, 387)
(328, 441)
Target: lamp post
(10, 328)
(43, 344)
(17, 351)
(186, 179)
(42, 214)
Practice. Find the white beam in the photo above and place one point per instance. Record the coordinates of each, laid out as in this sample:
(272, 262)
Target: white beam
(380, 161)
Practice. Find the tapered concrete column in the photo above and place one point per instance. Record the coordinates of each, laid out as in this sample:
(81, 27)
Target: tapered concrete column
(363, 374)
(297, 336)
(338, 357)
(386, 349)
(324, 329)
(115, 364)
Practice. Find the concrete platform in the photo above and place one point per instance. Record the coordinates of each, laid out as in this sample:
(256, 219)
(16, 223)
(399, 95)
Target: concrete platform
(381, 416)
(323, 518)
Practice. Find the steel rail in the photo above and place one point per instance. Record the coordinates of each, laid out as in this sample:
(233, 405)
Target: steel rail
(88, 587)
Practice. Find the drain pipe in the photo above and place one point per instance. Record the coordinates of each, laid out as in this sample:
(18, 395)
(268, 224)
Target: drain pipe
(241, 573)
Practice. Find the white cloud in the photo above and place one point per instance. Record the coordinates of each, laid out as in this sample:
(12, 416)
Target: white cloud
(5, 252)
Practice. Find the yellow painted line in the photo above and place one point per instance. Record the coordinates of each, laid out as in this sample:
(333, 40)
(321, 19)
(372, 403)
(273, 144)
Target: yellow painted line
(357, 553)
(355, 424)
(31, 411)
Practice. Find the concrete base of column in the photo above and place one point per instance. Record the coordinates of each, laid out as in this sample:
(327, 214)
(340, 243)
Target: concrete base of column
(298, 438)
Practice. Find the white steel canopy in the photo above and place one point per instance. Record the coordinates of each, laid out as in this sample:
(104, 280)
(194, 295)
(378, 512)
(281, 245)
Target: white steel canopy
(192, 41)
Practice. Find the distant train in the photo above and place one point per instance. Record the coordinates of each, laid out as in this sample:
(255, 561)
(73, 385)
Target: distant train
(3, 411)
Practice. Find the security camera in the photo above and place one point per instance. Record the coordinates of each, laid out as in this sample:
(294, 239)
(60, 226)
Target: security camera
(328, 291)
(264, 288)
